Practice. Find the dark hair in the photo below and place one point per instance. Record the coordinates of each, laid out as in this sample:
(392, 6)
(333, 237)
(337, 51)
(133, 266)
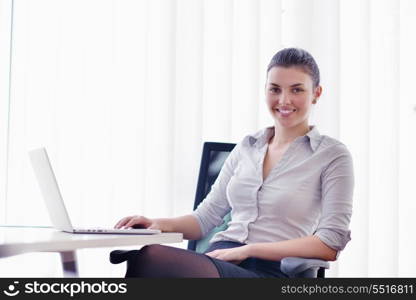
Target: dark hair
(296, 57)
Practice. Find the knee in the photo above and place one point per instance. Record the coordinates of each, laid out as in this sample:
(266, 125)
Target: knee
(152, 247)
(146, 258)
(151, 250)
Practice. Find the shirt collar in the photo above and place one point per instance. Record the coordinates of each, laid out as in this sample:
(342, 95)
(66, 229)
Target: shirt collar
(260, 139)
(314, 137)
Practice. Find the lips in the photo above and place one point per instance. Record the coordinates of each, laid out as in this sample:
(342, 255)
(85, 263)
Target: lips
(285, 111)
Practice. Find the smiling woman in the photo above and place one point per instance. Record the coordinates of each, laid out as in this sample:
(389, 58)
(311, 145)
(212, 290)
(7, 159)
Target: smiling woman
(294, 200)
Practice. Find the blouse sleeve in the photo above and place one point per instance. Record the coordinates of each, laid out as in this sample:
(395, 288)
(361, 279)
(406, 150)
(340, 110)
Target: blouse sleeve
(337, 191)
(215, 206)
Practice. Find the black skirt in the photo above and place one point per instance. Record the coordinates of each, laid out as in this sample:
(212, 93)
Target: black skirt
(248, 268)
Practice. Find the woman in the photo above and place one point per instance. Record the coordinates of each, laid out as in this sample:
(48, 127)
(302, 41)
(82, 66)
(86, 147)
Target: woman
(289, 190)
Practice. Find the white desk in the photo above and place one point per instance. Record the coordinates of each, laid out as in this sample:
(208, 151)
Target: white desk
(19, 240)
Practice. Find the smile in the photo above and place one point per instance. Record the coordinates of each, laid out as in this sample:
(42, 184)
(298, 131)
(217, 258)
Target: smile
(286, 112)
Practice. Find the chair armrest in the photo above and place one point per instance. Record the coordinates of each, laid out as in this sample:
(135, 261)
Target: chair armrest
(302, 267)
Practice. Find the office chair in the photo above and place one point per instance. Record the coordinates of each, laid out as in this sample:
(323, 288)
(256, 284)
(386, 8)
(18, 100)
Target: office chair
(213, 158)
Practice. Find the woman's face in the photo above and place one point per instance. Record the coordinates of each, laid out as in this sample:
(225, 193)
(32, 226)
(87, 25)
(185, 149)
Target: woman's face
(289, 96)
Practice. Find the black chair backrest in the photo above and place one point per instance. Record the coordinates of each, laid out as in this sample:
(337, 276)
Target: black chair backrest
(212, 160)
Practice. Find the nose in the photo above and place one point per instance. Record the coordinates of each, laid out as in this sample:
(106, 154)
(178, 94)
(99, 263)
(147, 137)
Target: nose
(284, 98)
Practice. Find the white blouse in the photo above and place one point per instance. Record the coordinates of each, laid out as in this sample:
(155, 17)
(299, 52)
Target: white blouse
(309, 191)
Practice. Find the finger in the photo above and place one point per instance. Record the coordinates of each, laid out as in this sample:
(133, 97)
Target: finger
(122, 222)
(212, 253)
(133, 221)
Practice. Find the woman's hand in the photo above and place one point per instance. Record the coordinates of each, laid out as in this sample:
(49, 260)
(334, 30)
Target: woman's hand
(136, 222)
(233, 255)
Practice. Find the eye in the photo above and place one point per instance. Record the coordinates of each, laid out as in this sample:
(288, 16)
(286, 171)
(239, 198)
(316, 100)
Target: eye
(274, 90)
(297, 90)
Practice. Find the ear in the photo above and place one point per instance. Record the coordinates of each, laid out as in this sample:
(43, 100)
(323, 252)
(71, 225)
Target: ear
(317, 93)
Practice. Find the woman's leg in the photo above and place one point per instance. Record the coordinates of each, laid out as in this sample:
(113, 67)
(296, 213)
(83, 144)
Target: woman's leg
(165, 261)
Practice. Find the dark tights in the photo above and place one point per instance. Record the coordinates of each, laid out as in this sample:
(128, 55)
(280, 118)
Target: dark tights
(164, 261)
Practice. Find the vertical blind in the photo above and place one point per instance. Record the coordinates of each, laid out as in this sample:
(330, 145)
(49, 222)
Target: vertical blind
(124, 93)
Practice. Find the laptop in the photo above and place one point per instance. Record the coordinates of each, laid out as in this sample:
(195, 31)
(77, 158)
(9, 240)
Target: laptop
(55, 204)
